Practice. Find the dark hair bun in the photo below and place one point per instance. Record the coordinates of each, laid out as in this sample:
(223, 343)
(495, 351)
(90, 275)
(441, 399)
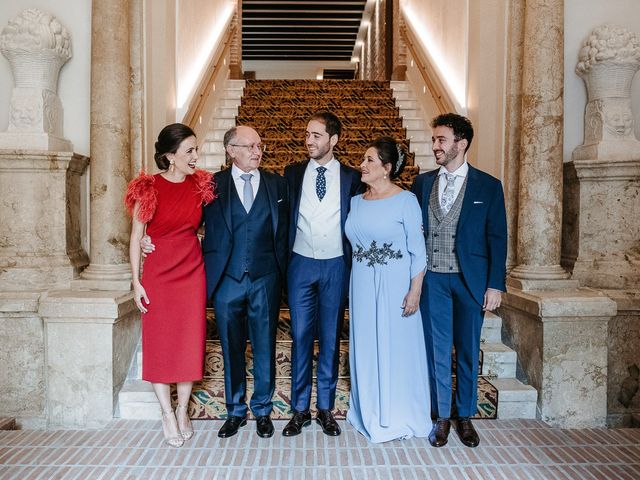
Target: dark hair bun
(169, 140)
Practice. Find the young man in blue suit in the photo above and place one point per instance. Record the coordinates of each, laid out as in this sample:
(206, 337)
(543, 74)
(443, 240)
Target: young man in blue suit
(465, 229)
(245, 254)
(318, 277)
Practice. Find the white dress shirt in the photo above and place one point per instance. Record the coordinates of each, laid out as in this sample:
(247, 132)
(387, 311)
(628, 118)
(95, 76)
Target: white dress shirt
(460, 173)
(319, 233)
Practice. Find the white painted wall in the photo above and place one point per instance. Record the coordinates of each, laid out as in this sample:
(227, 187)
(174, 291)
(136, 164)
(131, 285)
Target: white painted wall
(581, 17)
(442, 27)
(200, 26)
(291, 70)
(74, 82)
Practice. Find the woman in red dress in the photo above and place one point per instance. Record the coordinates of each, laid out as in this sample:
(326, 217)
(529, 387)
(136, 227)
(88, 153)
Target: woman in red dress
(171, 293)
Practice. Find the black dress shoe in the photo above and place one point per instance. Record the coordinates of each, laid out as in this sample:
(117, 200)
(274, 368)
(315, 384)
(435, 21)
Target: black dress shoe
(231, 426)
(467, 433)
(439, 435)
(295, 425)
(264, 426)
(328, 423)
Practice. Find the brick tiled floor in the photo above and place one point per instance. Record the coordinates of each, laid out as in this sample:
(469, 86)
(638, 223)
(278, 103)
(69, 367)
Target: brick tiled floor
(510, 450)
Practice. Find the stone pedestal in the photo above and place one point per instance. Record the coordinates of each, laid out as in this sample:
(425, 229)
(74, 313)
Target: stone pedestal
(22, 359)
(561, 340)
(90, 338)
(607, 164)
(608, 223)
(40, 216)
(623, 382)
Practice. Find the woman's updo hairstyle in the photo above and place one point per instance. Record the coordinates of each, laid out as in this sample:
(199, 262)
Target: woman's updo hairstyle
(169, 140)
(390, 152)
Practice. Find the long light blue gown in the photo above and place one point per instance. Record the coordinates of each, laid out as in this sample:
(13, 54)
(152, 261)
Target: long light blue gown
(389, 379)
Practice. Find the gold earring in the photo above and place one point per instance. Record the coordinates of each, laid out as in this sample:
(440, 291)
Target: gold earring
(172, 166)
(385, 176)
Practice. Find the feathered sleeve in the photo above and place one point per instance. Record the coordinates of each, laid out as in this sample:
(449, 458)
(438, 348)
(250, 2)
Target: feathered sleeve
(141, 189)
(205, 186)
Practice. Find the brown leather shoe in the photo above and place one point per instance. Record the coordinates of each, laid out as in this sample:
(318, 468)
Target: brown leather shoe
(439, 435)
(467, 433)
(295, 425)
(328, 423)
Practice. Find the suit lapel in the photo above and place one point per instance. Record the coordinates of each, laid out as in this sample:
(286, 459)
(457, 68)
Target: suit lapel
(434, 202)
(272, 196)
(296, 195)
(471, 193)
(345, 190)
(228, 189)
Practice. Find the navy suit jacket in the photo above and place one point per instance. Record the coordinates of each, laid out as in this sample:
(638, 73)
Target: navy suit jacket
(350, 185)
(481, 236)
(218, 229)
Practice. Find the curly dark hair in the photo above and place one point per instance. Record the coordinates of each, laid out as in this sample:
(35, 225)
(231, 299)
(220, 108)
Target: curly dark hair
(169, 140)
(392, 153)
(461, 126)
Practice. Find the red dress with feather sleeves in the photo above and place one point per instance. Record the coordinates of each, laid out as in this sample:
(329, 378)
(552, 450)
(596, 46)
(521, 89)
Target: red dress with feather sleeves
(174, 328)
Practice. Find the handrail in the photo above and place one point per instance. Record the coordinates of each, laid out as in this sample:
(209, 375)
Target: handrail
(439, 92)
(205, 86)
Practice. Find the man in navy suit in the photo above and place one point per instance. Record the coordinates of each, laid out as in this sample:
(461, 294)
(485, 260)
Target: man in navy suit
(465, 229)
(318, 277)
(245, 254)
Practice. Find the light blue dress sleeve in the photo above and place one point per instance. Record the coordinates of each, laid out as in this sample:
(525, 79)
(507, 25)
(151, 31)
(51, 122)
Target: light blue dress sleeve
(412, 222)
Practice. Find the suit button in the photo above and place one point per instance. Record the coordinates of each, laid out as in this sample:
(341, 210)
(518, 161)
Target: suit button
(435, 266)
(435, 234)
(453, 251)
(436, 251)
(450, 268)
(453, 236)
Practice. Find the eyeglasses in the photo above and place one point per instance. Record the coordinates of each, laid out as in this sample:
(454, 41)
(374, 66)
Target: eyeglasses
(260, 146)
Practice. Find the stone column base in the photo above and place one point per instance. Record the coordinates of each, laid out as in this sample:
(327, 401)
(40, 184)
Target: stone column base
(561, 340)
(22, 360)
(624, 360)
(90, 337)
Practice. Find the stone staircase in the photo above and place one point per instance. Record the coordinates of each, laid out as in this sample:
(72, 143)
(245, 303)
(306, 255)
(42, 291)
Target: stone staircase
(413, 120)
(137, 400)
(283, 134)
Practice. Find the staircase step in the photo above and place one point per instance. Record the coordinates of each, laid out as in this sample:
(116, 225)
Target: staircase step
(491, 328)
(515, 399)
(498, 360)
(137, 400)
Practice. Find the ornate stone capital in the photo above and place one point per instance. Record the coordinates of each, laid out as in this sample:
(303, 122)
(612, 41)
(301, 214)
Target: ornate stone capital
(37, 46)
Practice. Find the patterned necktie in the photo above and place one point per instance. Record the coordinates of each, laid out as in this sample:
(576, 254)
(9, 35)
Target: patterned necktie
(448, 195)
(247, 191)
(321, 182)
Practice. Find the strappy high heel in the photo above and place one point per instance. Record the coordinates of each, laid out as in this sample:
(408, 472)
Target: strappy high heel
(175, 440)
(187, 431)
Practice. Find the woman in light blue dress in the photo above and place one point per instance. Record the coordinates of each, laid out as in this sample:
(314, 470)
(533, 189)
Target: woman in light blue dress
(388, 363)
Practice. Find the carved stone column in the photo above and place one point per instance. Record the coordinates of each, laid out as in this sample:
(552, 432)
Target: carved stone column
(110, 151)
(559, 330)
(37, 46)
(540, 186)
(608, 163)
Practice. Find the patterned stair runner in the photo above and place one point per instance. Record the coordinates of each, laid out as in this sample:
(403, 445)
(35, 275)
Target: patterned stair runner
(279, 109)
(207, 401)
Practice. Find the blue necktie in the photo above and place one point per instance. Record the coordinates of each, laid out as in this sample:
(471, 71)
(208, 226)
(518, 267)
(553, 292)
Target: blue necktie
(247, 191)
(321, 182)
